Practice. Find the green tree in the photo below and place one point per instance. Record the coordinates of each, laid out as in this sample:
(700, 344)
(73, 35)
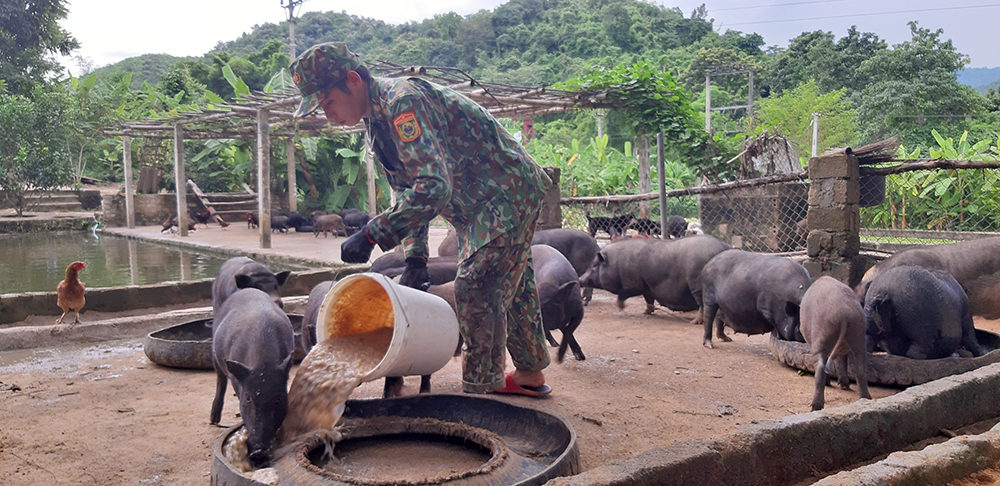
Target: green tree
(652, 101)
(791, 115)
(914, 90)
(30, 36)
(32, 159)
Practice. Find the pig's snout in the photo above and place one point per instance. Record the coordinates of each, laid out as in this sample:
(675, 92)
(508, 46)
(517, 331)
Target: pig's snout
(258, 456)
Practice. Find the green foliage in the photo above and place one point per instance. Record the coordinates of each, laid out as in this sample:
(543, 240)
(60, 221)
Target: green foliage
(222, 166)
(337, 169)
(815, 56)
(32, 158)
(915, 79)
(148, 68)
(942, 200)
(598, 169)
(30, 37)
(791, 115)
(650, 102)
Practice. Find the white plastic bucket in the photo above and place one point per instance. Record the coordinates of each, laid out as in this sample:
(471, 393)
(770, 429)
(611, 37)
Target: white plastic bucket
(425, 329)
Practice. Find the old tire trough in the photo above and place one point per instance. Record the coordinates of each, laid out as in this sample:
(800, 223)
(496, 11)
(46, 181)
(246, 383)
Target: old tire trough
(189, 345)
(891, 370)
(516, 445)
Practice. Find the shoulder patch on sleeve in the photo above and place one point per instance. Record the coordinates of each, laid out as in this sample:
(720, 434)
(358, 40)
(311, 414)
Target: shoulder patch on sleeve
(407, 126)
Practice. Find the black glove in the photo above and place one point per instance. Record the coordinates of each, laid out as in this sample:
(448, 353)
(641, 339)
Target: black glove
(415, 276)
(358, 248)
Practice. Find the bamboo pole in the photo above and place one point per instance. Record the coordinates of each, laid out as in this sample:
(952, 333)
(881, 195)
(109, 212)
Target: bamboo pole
(129, 184)
(263, 179)
(690, 191)
(179, 178)
(910, 165)
(661, 165)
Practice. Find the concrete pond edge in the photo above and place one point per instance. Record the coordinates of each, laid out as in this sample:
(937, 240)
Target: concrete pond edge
(17, 307)
(792, 449)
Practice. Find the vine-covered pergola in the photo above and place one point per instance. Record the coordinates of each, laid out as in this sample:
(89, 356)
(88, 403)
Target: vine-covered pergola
(270, 115)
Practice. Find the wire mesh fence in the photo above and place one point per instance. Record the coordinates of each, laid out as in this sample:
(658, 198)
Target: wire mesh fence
(767, 217)
(926, 207)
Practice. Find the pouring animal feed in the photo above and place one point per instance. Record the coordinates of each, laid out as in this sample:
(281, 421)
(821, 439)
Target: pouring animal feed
(368, 328)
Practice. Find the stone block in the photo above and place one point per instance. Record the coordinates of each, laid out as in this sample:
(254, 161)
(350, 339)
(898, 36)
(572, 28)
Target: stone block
(817, 242)
(833, 167)
(835, 218)
(830, 192)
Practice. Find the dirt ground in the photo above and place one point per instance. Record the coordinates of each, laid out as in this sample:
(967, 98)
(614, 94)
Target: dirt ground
(104, 414)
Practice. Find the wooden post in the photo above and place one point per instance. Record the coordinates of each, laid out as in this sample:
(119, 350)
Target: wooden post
(181, 187)
(264, 178)
(661, 168)
(644, 175)
(708, 104)
(129, 185)
(293, 196)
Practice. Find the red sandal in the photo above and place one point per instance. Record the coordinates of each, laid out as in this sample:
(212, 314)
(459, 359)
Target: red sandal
(512, 388)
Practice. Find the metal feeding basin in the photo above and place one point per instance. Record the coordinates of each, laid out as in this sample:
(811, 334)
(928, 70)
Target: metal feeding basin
(891, 370)
(189, 345)
(428, 439)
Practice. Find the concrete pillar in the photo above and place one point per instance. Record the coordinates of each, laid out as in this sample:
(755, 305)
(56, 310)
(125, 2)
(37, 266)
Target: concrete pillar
(834, 221)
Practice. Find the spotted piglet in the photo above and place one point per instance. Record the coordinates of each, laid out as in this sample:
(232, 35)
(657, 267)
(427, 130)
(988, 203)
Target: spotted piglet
(833, 324)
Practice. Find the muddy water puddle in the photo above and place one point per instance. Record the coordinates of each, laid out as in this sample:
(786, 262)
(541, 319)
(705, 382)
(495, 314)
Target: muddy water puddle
(68, 357)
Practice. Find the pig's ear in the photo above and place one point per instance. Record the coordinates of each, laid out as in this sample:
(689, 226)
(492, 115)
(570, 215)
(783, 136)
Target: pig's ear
(237, 369)
(287, 363)
(244, 282)
(601, 258)
(282, 277)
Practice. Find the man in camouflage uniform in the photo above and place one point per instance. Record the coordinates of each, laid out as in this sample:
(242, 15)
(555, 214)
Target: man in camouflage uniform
(444, 154)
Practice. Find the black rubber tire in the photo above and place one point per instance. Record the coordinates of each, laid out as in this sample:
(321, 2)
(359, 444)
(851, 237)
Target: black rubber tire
(541, 445)
(189, 345)
(890, 370)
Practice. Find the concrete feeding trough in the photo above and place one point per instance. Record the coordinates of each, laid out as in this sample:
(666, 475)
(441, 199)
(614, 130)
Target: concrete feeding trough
(428, 439)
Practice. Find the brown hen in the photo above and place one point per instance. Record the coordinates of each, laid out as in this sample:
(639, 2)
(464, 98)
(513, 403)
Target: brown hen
(71, 292)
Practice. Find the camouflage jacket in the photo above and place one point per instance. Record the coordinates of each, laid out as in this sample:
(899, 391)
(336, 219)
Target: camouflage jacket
(444, 154)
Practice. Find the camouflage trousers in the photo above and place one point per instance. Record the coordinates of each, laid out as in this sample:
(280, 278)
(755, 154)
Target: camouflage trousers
(498, 309)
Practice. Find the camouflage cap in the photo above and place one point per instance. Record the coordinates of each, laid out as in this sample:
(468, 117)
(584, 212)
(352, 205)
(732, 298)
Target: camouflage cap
(316, 69)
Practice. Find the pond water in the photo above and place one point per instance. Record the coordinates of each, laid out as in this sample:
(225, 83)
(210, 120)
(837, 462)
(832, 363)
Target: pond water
(37, 262)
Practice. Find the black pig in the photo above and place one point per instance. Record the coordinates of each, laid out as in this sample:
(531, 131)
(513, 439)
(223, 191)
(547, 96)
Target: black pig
(668, 271)
(755, 293)
(577, 246)
(242, 272)
(559, 298)
(316, 296)
(919, 313)
(252, 343)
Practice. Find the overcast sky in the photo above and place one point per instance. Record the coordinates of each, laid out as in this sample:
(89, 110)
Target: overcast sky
(112, 30)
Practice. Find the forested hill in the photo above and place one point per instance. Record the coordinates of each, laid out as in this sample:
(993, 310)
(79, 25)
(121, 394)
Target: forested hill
(144, 68)
(527, 42)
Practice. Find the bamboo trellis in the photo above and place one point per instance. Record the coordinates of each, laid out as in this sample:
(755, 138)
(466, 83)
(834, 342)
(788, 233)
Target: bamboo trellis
(252, 115)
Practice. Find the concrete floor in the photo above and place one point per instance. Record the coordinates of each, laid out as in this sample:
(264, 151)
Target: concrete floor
(302, 247)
